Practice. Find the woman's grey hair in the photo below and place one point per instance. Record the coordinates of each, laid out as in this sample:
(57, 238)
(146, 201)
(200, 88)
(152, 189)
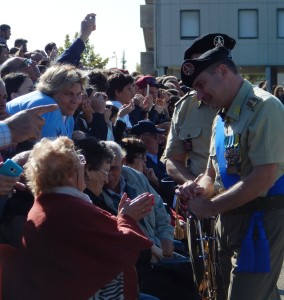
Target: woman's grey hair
(50, 164)
(115, 147)
(59, 77)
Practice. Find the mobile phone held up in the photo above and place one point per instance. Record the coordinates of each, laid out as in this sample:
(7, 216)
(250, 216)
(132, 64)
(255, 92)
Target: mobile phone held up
(93, 18)
(10, 168)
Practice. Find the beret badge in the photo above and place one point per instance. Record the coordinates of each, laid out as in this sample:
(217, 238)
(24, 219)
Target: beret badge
(188, 68)
(218, 41)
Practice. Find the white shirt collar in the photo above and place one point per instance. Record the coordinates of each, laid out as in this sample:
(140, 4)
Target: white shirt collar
(71, 191)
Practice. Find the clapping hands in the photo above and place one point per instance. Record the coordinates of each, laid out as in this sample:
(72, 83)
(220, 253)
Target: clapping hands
(137, 208)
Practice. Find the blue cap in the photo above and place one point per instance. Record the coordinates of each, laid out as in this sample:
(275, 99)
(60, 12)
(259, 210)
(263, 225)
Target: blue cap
(145, 126)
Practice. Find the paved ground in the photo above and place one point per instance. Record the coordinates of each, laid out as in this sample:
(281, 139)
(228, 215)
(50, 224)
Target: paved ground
(281, 283)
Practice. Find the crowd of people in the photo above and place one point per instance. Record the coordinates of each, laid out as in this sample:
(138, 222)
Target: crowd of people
(107, 157)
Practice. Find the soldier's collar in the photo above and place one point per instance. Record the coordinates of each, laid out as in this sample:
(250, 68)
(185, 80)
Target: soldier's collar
(188, 94)
(233, 113)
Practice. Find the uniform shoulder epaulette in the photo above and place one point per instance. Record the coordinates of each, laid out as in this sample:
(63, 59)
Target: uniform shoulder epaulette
(189, 94)
(252, 102)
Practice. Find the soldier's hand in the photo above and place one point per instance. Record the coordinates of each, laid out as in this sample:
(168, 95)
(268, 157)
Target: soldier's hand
(188, 190)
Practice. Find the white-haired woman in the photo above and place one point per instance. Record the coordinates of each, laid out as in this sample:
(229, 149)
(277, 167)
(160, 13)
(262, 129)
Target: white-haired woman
(72, 248)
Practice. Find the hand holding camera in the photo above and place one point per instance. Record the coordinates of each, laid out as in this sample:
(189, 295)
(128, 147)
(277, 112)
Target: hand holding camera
(88, 25)
(9, 176)
(10, 168)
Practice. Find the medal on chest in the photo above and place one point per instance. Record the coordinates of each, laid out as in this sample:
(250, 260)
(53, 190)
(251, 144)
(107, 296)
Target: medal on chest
(232, 153)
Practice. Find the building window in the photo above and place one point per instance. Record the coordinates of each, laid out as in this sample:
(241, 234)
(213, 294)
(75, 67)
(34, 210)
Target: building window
(189, 24)
(248, 23)
(280, 23)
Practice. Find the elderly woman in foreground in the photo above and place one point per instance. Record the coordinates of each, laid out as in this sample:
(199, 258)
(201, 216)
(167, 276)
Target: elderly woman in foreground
(71, 247)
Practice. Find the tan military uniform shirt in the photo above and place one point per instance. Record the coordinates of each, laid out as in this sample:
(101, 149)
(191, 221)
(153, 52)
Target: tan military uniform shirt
(190, 132)
(258, 118)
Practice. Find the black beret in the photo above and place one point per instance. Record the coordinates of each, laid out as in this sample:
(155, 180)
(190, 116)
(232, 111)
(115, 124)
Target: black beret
(191, 68)
(209, 41)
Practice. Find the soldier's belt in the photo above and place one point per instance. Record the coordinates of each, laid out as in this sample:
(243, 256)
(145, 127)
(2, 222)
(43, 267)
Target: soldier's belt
(267, 203)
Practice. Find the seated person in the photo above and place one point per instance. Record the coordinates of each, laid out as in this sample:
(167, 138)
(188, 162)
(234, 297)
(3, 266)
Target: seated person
(152, 138)
(156, 225)
(68, 243)
(98, 161)
(135, 157)
(124, 179)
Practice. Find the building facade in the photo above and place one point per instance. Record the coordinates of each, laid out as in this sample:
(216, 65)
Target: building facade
(170, 26)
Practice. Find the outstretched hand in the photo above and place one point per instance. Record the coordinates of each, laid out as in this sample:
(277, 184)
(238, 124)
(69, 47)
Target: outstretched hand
(27, 124)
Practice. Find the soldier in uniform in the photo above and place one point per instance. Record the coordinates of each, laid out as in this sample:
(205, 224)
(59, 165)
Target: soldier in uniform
(188, 143)
(243, 182)
(189, 137)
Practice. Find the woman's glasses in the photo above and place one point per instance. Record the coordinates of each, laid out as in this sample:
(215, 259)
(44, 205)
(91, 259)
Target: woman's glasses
(104, 172)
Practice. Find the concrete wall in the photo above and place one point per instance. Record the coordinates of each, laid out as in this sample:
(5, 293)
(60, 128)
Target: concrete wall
(254, 55)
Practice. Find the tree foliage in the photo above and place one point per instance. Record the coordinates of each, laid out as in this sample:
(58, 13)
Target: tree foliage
(88, 58)
(138, 67)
